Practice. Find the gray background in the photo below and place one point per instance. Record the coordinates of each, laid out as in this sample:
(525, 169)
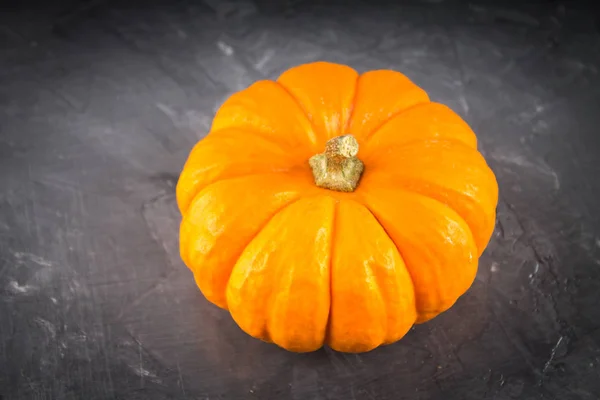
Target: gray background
(100, 104)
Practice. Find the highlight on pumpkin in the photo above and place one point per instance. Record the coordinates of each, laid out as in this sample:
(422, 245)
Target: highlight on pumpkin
(393, 241)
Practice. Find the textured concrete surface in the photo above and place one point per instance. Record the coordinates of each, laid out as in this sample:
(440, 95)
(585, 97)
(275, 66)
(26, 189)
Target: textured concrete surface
(100, 104)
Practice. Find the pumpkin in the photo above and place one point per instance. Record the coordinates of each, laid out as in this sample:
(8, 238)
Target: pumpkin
(335, 208)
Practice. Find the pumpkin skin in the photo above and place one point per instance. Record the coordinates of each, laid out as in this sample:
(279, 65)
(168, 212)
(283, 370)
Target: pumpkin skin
(304, 266)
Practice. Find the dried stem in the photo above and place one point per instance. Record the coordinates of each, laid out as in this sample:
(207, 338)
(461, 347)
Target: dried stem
(338, 168)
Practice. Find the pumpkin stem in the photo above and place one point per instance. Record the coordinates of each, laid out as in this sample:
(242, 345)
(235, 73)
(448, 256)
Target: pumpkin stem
(338, 168)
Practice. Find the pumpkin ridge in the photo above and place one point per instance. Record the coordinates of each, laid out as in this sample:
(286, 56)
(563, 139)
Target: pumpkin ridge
(428, 196)
(325, 91)
(424, 140)
(230, 178)
(244, 103)
(411, 108)
(188, 186)
(313, 138)
(302, 196)
(469, 232)
(353, 104)
(431, 194)
(369, 135)
(419, 311)
(265, 329)
(250, 131)
(186, 246)
(437, 192)
(371, 272)
(395, 245)
(334, 222)
(271, 303)
(198, 190)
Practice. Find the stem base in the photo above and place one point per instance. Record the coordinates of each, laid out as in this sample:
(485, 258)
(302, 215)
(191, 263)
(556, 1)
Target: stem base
(338, 168)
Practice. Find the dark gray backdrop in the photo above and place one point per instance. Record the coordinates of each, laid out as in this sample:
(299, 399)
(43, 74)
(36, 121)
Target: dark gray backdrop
(100, 104)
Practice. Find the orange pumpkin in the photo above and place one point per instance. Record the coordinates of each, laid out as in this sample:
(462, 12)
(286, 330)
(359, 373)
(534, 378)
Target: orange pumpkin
(334, 208)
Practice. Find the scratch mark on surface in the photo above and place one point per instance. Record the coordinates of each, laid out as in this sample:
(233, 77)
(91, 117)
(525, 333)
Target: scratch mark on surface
(12, 32)
(464, 104)
(488, 383)
(368, 393)
(339, 361)
(142, 372)
(553, 352)
(534, 273)
(352, 394)
(190, 119)
(462, 75)
(225, 48)
(181, 384)
(452, 349)
(169, 112)
(16, 288)
(519, 160)
(528, 116)
(520, 347)
(156, 286)
(47, 326)
(36, 259)
(260, 64)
